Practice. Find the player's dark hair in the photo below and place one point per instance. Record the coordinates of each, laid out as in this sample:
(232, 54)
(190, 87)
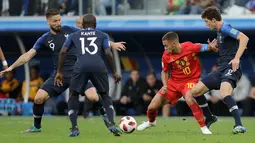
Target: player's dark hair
(51, 12)
(211, 12)
(89, 21)
(170, 36)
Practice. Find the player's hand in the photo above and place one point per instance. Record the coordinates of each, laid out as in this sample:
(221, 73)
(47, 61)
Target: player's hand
(116, 77)
(5, 71)
(235, 64)
(58, 79)
(213, 45)
(119, 46)
(164, 89)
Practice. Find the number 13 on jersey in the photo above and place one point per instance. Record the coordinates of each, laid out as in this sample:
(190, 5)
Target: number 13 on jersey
(92, 43)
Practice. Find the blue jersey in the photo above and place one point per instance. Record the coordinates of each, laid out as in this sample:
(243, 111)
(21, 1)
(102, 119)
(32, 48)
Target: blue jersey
(89, 45)
(228, 44)
(55, 43)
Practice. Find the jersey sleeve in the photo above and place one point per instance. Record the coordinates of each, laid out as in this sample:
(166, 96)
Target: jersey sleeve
(230, 31)
(40, 42)
(164, 64)
(193, 47)
(68, 43)
(106, 42)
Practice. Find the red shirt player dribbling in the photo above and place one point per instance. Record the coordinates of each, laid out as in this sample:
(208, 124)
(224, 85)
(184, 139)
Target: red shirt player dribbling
(181, 59)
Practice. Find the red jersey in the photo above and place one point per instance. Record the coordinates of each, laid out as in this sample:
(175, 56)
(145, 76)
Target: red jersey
(185, 65)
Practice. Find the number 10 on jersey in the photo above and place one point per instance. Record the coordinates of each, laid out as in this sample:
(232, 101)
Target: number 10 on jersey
(186, 71)
(92, 43)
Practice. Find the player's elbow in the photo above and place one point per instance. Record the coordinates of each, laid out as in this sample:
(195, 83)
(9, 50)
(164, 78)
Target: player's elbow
(243, 37)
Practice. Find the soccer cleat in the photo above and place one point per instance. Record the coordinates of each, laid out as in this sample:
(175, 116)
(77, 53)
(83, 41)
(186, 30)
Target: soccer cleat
(205, 130)
(74, 132)
(114, 129)
(33, 129)
(146, 125)
(211, 120)
(238, 129)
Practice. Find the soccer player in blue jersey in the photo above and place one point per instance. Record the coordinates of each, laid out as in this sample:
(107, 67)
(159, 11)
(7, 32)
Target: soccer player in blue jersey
(54, 40)
(229, 70)
(90, 45)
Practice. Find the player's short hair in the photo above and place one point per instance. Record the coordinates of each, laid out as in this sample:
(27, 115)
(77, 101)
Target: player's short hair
(52, 12)
(170, 36)
(89, 20)
(211, 12)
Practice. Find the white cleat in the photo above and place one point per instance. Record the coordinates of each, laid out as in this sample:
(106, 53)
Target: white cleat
(146, 125)
(205, 130)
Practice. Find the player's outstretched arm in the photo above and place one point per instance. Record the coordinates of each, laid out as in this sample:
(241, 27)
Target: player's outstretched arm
(21, 61)
(119, 46)
(5, 64)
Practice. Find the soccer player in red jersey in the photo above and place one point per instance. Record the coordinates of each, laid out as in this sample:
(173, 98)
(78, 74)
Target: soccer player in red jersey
(181, 59)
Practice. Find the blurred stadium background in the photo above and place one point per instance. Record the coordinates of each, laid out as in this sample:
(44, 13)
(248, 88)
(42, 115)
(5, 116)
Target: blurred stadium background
(140, 23)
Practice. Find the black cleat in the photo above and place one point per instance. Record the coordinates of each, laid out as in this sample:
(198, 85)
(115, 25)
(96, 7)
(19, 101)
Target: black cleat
(211, 120)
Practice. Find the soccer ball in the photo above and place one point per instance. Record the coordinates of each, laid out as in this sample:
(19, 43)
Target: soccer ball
(127, 124)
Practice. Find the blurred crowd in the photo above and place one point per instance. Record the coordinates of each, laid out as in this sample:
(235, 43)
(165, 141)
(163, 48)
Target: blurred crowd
(137, 93)
(124, 7)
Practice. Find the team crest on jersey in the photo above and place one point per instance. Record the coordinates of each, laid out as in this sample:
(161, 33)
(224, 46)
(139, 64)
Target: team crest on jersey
(182, 62)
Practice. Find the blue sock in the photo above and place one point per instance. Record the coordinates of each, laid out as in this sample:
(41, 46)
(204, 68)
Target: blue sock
(73, 107)
(99, 106)
(233, 109)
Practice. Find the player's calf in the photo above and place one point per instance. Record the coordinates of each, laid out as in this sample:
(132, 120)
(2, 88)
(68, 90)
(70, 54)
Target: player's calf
(197, 113)
(152, 112)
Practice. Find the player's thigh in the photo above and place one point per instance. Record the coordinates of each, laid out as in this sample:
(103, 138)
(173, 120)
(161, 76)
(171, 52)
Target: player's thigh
(54, 90)
(186, 90)
(79, 82)
(91, 92)
(209, 82)
(100, 81)
(172, 95)
(229, 81)
(157, 102)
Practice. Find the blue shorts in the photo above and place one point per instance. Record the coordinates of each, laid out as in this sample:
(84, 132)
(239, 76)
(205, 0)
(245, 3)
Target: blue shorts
(54, 90)
(214, 79)
(98, 79)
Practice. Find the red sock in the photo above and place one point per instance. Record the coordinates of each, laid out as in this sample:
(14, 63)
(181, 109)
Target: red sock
(151, 114)
(198, 114)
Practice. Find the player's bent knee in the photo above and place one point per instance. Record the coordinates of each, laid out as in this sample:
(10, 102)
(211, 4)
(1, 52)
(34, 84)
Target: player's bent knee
(225, 89)
(91, 94)
(41, 96)
(199, 89)
(189, 98)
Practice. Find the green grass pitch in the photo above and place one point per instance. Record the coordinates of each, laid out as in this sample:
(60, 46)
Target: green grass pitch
(168, 130)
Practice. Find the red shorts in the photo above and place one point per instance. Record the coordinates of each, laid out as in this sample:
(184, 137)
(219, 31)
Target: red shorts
(177, 89)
